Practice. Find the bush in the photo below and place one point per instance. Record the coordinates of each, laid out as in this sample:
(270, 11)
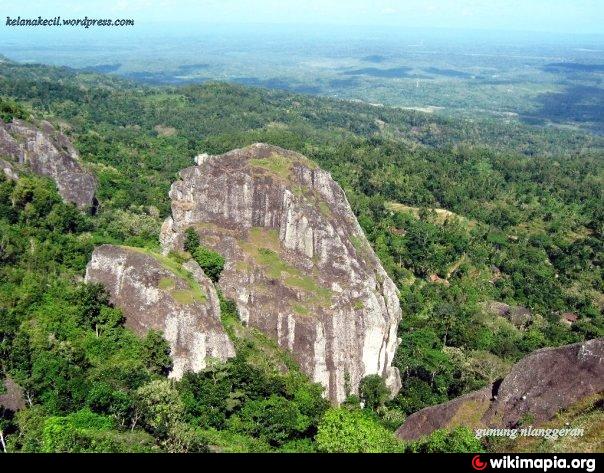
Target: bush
(85, 431)
(458, 440)
(373, 391)
(10, 109)
(191, 240)
(275, 420)
(211, 262)
(354, 431)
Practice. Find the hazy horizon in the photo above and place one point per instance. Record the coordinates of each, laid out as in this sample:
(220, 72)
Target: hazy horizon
(541, 62)
(558, 16)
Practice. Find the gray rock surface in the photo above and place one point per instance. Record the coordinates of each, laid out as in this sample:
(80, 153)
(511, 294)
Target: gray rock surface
(47, 152)
(8, 170)
(519, 316)
(12, 398)
(465, 410)
(539, 385)
(152, 294)
(298, 264)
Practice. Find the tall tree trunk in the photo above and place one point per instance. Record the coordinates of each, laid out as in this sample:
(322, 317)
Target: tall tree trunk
(2, 441)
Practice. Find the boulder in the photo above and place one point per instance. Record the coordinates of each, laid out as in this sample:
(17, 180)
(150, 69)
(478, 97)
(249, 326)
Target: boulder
(537, 387)
(157, 293)
(517, 315)
(497, 308)
(568, 318)
(12, 398)
(298, 264)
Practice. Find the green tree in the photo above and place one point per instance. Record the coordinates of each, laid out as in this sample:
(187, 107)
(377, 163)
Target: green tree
(156, 353)
(92, 301)
(10, 109)
(191, 240)
(210, 261)
(159, 407)
(354, 431)
(275, 420)
(373, 391)
(206, 396)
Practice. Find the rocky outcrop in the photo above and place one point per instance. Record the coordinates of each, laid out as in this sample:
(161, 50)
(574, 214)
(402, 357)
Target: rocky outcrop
(47, 152)
(538, 386)
(8, 170)
(298, 265)
(155, 292)
(12, 398)
(519, 316)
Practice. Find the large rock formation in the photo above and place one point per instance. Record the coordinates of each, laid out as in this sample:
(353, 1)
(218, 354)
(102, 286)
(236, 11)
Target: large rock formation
(298, 265)
(154, 292)
(539, 385)
(47, 152)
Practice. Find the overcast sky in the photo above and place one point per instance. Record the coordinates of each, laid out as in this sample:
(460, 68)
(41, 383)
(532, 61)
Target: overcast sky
(565, 16)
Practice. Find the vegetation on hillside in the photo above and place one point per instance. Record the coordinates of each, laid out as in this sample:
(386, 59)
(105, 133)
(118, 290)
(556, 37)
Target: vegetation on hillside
(529, 233)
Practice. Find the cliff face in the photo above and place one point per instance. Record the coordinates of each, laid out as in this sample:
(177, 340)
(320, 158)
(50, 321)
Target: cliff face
(297, 262)
(539, 385)
(48, 153)
(154, 293)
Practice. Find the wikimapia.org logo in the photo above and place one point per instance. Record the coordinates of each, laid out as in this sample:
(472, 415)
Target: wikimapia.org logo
(543, 464)
(478, 464)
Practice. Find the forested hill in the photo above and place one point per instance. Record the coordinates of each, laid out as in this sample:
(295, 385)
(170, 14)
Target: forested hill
(63, 91)
(492, 231)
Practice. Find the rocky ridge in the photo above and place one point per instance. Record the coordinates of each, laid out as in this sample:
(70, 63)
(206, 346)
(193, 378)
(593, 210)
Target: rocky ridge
(46, 152)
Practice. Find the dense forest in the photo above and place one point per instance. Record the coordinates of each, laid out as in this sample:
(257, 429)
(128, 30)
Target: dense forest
(461, 214)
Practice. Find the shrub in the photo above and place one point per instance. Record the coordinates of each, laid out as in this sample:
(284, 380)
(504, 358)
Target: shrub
(10, 109)
(211, 262)
(373, 391)
(458, 440)
(191, 240)
(354, 431)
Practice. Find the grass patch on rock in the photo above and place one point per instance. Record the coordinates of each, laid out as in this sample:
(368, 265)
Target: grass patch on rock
(276, 164)
(166, 283)
(183, 296)
(264, 247)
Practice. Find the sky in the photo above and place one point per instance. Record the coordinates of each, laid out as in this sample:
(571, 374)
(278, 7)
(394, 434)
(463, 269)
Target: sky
(562, 16)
